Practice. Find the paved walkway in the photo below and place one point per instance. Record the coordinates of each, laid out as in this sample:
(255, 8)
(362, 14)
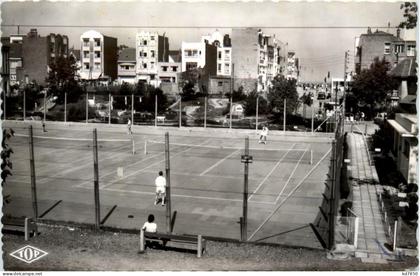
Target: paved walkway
(365, 188)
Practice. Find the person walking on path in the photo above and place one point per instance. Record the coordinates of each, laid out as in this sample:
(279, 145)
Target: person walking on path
(263, 135)
(160, 183)
(129, 127)
(43, 126)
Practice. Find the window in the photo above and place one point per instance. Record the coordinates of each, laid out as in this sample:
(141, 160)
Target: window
(144, 42)
(191, 65)
(219, 83)
(86, 65)
(144, 54)
(97, 66)
(86, 54)
(127, 67)
(152, 77)
(164, 68)
(97, 42)
(387, 48)
(398, 48)
(220, 55)
(152, 53)
(411, 50)
(174, 68)
(85, 41)
(152, 37)
(194, 53)
(97, 54)
(152, 65)
(145, 65)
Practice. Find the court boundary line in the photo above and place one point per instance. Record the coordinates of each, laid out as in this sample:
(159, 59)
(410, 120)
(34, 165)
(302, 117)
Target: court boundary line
(290, 176)
(180, 195)
(271, 172)
(72, 138)
(291, 192)
(145, 168)
(218, 163)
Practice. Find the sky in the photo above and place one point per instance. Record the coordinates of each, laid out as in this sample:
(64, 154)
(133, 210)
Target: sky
(319, 32)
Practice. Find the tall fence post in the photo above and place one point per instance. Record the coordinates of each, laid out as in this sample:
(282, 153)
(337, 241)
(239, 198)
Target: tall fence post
(109, 108)
(24, 104)
(331, 219)
(256, 114)
(284, 115)
(87, 107)
(231, 98)
(312, 118)
(205, 111)
(246, 159)
(33, 177)
(96, 180)
(132, 109)
(168, 184)
(156, 108)
(65, 107)
(45, 105)
(180, 111)
(4, 104)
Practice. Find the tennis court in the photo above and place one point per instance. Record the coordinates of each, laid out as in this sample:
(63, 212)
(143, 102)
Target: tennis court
(286, 180)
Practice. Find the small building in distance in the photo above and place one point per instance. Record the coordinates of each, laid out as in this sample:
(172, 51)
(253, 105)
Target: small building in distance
(127, 66)
(99, 55)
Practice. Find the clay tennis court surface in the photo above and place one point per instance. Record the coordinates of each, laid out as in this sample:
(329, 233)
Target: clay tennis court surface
(286, 179)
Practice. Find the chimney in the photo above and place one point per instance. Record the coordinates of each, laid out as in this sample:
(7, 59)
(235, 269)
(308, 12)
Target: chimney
(33, 33)
(398, 33)
(369, 31)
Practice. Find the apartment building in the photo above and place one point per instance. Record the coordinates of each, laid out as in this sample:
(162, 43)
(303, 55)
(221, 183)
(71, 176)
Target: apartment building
(257, 59)
(380, 44)
(151, 48)
(292, 66)
(224, 51)
(99, 55)
(12, 60)
(127, 66)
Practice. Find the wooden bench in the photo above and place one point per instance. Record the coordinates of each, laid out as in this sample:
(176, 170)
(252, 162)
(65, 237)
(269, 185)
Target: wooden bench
(20, 225)
(196, 241)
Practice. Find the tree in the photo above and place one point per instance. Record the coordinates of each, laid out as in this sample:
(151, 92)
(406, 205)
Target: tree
(281, 89)
(192, 84)
(307, 101)
(372, 85)
(250, 104)
(410, 15)
(62, 78)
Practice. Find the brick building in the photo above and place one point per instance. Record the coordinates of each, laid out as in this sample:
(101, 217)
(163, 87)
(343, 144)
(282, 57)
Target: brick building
(393, 48)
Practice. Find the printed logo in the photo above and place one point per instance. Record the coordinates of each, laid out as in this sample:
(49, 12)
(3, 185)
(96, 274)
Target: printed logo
(28, 254)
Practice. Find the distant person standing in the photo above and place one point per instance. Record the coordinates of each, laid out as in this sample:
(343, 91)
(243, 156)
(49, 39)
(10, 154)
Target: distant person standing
(263, 135)
(160, 183)
(362, 116)
(43, 126)
(129, 127)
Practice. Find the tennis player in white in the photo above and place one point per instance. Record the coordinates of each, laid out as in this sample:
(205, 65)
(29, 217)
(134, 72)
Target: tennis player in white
(160, 183)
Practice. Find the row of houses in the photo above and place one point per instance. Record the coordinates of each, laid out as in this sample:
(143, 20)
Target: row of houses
(399, 50)
(249, 56)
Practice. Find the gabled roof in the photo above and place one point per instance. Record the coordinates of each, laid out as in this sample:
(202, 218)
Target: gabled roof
(405, 68)
(127, 54)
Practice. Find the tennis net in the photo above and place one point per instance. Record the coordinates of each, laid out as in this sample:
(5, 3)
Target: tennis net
(291, 155)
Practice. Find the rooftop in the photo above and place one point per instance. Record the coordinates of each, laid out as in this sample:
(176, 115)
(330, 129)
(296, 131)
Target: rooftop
(405, 68)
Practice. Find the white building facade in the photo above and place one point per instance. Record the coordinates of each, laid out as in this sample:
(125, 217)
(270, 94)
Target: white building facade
(224, 52)
(98, 56)
(151, 48)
